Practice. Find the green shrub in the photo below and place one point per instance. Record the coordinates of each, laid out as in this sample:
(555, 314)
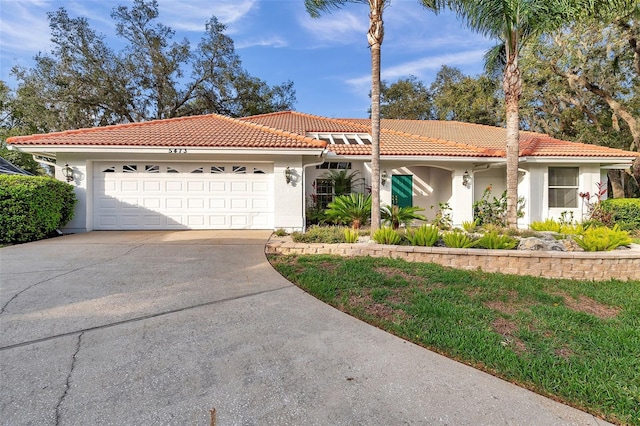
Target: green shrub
(603, 239)
(395, 216)
(425, 236)
(470, 226)
(493, 240)
(557, 226)
(494, 212)
(320, 234)
(351, 209)
(458, 239)
(31, 207)
(386, 235)
(280, 232)
(351, 235)
(443, 219)
(625, 212)
(545, 225)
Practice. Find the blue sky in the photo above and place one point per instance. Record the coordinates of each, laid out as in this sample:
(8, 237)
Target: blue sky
(327, 58)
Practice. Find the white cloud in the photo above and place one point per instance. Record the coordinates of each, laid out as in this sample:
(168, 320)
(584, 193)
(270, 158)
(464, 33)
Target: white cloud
(273, 41)
(419, 67)
(24, 26)
(192, 15)
(342, 27)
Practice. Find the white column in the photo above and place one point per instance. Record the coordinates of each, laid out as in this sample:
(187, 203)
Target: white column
(461, 201)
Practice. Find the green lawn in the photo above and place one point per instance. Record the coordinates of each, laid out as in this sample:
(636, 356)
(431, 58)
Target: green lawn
(577, 341)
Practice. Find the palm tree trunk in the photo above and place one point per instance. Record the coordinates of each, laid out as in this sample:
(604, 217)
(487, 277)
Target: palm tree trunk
(512, 85)
(375, 36)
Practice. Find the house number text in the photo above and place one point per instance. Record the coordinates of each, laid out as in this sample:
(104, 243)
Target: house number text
(177, 151)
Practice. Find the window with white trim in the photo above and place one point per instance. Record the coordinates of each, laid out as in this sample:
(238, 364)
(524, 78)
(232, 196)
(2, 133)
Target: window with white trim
(563, 187)
(334, 165)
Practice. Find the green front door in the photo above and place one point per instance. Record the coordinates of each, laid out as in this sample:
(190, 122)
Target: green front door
(402, 190)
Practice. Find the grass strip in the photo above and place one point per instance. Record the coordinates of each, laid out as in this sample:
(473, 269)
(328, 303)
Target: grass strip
(575, 341)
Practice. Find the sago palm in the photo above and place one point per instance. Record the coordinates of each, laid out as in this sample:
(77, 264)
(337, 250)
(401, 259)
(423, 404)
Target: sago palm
(343, 181)
(350, 209)
(395, 216)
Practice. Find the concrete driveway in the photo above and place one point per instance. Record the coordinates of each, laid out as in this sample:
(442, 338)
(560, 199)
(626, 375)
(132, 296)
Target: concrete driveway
(145, 328)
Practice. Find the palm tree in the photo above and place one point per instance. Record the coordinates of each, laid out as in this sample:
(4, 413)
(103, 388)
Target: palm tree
(343, 181)
(514, 23)
(374, 36)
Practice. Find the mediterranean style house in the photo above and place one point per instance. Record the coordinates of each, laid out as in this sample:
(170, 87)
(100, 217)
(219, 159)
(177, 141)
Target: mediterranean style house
(260, 172)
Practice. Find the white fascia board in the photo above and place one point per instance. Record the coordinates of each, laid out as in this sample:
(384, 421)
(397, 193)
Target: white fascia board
(165, 150)
(581, 160)
(417, 158)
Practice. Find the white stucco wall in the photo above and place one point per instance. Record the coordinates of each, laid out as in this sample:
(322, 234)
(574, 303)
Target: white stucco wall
(80, 172)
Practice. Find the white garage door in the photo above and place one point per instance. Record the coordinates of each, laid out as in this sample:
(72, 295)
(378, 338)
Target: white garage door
(152, 195)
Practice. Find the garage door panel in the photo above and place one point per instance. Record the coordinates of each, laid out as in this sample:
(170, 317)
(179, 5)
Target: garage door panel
(195, 186)
(217, 186)
(175, 203)
(152, 186)
(131, 221)
(218, 221)
(261, 220)
(151, 203)
(129, 186)
(259, 204)
(239, 221)
(151, 195)
(173, 186)
(259, 186)
(107, 186)
(218, 203)
(107, 203)
(152, 220)
(238, 187)
(195, 203)
(108, 221)
(238, 203)
(196, 220)
(129, 203)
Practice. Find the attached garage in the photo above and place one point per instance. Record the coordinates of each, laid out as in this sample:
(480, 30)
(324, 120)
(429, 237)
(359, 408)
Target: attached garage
(196, 172)
(182, 195)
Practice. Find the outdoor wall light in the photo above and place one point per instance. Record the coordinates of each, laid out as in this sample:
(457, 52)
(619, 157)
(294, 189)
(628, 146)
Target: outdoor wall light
(67, 172)
(466, 179)
(383, 177)
(287, 174)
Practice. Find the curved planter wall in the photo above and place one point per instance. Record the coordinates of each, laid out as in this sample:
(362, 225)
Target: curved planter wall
(617, 264)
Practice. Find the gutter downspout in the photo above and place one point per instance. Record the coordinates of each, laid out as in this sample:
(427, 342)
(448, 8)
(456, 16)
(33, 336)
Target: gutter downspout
(41, 160)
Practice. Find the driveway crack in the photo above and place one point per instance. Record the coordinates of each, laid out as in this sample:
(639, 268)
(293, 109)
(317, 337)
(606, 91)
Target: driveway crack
(15, 296)
(68, 381)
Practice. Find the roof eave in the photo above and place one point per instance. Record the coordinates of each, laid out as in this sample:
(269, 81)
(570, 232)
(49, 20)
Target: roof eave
(580, 159)
(421, 158)
(38, 149)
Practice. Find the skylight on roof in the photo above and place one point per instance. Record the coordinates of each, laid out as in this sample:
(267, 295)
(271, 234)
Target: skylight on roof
(342, 138)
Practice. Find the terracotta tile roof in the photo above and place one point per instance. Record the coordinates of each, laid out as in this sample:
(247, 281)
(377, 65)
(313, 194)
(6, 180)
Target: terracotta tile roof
(302, 124)
(392, 142)
(434, 138)
(195, 131)
(539, 145)
(289, 129)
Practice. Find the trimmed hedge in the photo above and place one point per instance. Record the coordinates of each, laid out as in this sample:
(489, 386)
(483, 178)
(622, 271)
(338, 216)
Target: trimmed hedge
(31, 207)
(625, 212)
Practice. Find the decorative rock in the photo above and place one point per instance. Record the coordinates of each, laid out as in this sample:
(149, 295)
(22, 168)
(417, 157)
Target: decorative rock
(541, 244)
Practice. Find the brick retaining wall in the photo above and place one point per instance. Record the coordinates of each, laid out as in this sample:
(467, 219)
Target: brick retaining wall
(617, 264)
